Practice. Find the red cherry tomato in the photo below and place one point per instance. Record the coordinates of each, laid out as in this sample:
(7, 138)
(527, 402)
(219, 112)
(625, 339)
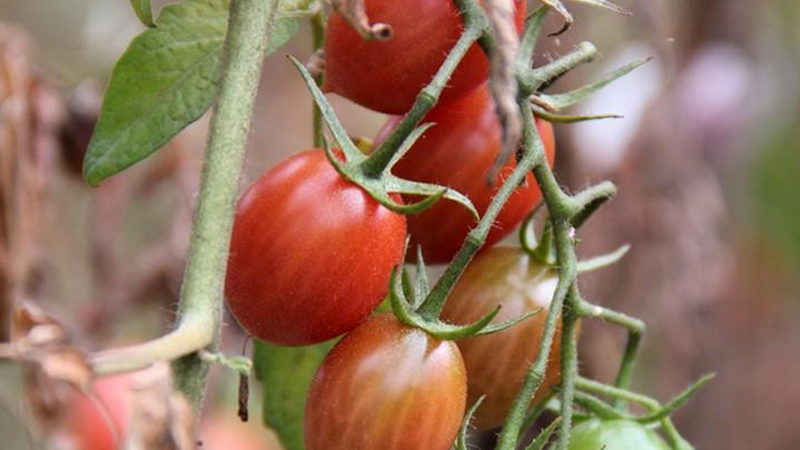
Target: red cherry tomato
(389, 387)
(595, 434)
(458, 152)
(227, 432)
(101, 424)
(497, 363)
(386, 76)
(311, 253)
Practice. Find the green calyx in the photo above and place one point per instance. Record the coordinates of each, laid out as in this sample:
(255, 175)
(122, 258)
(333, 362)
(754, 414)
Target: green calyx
(408, 300)
(373, 172)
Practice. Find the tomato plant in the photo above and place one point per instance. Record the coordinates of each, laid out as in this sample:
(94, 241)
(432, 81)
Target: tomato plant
(596, 434)
(458, 152)
(101, 424)
(386, 386)
(497, 363)
(386, 76)
(311, 253)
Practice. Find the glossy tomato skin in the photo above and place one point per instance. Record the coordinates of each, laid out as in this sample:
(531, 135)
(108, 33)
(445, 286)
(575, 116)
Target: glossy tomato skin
(87, 423)
(595, 434)
(311, 253)
(386, 386)
(386, 76)
(458, 152)
(497, 363)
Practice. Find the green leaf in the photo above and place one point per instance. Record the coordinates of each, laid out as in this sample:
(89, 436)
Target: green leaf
(285, 374)
(144, 12)
(282, 31)
(165, 80)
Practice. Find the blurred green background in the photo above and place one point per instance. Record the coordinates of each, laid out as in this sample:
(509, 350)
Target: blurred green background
(707, 160)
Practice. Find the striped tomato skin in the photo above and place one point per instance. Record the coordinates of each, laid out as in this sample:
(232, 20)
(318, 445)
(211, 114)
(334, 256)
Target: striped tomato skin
(497, 363)
(311, 253)
(387, 386)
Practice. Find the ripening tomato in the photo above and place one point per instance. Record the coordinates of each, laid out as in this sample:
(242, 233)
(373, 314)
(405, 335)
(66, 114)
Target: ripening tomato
(227, 432)
(458, 153)
(386, 76)
(497, 363)
(389, 387)
(311, 253)
(595, 434)
(103, 424)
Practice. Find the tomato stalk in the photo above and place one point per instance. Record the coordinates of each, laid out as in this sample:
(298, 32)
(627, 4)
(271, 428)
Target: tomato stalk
(533, 156)
(636, 329)
(200, 309)
(475, 27)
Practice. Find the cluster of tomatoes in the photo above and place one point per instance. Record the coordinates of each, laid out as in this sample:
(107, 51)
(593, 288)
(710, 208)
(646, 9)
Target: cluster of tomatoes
(312, 253)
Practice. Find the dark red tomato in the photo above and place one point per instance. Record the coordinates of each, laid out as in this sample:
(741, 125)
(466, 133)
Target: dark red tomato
(311, 253)
(386, 76)
(458, 152)
(497, 363)
(100, 425)
(389, 387)
(598, 434)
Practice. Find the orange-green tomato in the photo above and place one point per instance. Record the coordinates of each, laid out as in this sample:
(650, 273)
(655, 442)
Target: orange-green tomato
(497, 363)
(386, 386)
(227, 432)
(596, 434)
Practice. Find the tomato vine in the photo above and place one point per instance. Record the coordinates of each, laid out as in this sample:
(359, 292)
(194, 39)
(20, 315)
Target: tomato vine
(193, 341)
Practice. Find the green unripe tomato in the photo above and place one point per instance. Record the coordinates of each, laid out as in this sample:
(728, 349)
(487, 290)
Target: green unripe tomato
(596, 434)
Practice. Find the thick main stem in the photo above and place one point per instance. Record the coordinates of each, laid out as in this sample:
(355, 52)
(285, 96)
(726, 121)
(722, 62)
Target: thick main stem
(200, 309)
(202, 291)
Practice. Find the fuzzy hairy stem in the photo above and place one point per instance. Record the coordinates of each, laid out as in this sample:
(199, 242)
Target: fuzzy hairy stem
(200, 309)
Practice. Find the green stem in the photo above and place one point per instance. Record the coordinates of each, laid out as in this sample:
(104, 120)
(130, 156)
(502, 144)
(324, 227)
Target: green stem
(534, 414)
(475, 26)
(200, 309)
(636, 329)
(533, 80)
(533, 157)
(204, 281)
(569, 355)
(598, 407)
(543, 251)
(380, 159)
(317, 42)
(588, 385)
(512, 428)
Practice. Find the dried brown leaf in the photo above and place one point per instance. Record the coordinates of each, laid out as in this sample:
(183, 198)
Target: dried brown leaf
(502, 78)
(162, 419)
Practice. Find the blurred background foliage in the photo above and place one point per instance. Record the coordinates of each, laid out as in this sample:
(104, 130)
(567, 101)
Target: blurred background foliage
(707, 160)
